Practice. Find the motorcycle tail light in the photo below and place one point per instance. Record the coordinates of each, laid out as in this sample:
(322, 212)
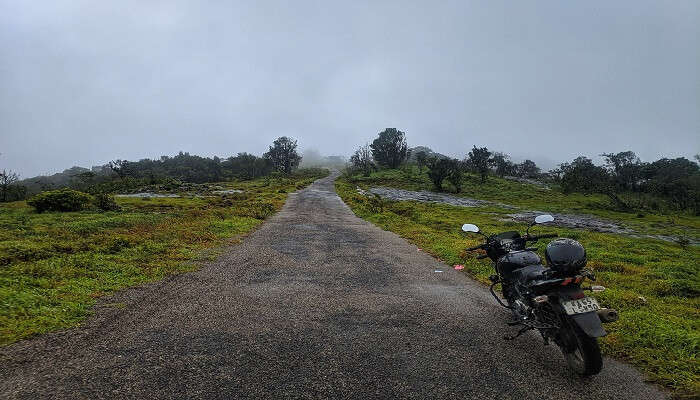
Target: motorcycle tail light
(541, 299)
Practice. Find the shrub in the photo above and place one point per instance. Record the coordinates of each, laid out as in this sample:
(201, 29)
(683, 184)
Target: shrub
(60, 200)
(362, 161)
(18, 252)
(116, 245)
(105, 202)
(444, 168)
(377, 203)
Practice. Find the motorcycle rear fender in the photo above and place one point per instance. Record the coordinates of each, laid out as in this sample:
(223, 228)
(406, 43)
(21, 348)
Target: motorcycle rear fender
(589, 322)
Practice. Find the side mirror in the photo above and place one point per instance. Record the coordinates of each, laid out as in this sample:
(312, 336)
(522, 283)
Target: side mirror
(470, 228)
(541, 219)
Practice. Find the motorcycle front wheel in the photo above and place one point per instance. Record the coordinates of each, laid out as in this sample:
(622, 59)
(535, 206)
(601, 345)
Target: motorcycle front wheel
(582, 352)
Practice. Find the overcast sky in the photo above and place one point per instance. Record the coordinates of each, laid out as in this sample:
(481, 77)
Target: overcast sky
(85, 82)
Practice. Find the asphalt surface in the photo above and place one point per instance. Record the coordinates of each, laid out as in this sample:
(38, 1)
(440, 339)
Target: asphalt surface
(317, 303)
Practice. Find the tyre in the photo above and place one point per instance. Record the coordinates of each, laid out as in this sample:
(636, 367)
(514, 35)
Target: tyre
(582, 353)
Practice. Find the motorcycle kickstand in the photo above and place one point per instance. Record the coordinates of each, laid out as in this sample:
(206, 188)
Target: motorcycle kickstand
(520, 332)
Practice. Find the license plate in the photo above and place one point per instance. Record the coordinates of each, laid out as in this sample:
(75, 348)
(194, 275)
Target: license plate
(580, 306)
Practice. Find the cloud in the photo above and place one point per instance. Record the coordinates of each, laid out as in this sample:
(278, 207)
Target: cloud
(86, 82)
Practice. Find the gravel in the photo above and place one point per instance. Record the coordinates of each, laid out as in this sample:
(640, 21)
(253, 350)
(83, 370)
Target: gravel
(315, 304)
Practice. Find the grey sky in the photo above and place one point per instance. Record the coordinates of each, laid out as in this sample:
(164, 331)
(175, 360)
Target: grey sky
(84, 82)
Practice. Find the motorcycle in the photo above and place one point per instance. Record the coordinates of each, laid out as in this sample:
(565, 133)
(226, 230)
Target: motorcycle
(549, 299)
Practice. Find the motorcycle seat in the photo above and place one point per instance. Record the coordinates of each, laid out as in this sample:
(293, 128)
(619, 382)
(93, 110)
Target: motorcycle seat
(529, 273)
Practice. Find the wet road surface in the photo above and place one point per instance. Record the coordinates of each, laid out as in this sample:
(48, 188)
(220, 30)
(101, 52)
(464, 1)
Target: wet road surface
(315, 304)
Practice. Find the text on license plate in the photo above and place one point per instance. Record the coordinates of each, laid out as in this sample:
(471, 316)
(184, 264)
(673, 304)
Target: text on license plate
(579, 306)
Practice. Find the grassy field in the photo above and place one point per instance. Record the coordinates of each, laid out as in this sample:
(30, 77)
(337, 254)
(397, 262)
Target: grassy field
(53, 266)
(654, 284)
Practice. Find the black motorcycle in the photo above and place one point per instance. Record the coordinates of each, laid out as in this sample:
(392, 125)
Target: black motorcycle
(548, 298)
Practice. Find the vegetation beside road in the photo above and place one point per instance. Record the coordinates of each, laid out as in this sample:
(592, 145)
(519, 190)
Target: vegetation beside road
(654, 284)
(54, 265)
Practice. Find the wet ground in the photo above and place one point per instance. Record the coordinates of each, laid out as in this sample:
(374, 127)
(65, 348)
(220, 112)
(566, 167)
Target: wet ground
(432, 197)
(148, 195)
(586, 222)
(316, 304)
(575, 221)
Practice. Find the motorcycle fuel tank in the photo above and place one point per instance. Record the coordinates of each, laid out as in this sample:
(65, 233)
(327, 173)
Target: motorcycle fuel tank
(517, 259)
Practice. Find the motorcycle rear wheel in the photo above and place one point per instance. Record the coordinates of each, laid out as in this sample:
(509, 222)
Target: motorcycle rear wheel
(583, 353)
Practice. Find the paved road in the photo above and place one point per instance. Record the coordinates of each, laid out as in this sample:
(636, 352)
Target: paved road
(315, 304)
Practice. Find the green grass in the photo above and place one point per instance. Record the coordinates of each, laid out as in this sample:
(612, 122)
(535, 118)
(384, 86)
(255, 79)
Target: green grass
(53, 266)
(530, 197)
(655, 285)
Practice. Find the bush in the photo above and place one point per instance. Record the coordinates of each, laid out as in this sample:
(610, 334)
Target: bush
(116, 245)
(105, 202)
(18, 252)
(445, 168)
(60, 200)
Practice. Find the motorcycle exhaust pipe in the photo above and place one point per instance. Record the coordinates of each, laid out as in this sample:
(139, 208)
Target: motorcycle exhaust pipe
(607, 315)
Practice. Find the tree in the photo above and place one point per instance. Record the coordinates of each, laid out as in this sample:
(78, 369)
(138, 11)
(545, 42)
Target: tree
(421, 160)
(362, 160)
(120, 167)
(479, 160)
(582, 176)
(585, 177)
(9, 189)
(246, 166)
(528, 169)
(390, 148)
(677, 180)
(503, 165)
(445, 168)
(283, 155)
(455, 175)
(625, 168)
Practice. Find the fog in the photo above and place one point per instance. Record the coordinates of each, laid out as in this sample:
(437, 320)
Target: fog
(85, 82)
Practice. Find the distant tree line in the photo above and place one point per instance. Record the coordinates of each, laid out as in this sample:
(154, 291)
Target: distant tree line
(390, 150)
(624, 178)
(677, 181)
(282, 157)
